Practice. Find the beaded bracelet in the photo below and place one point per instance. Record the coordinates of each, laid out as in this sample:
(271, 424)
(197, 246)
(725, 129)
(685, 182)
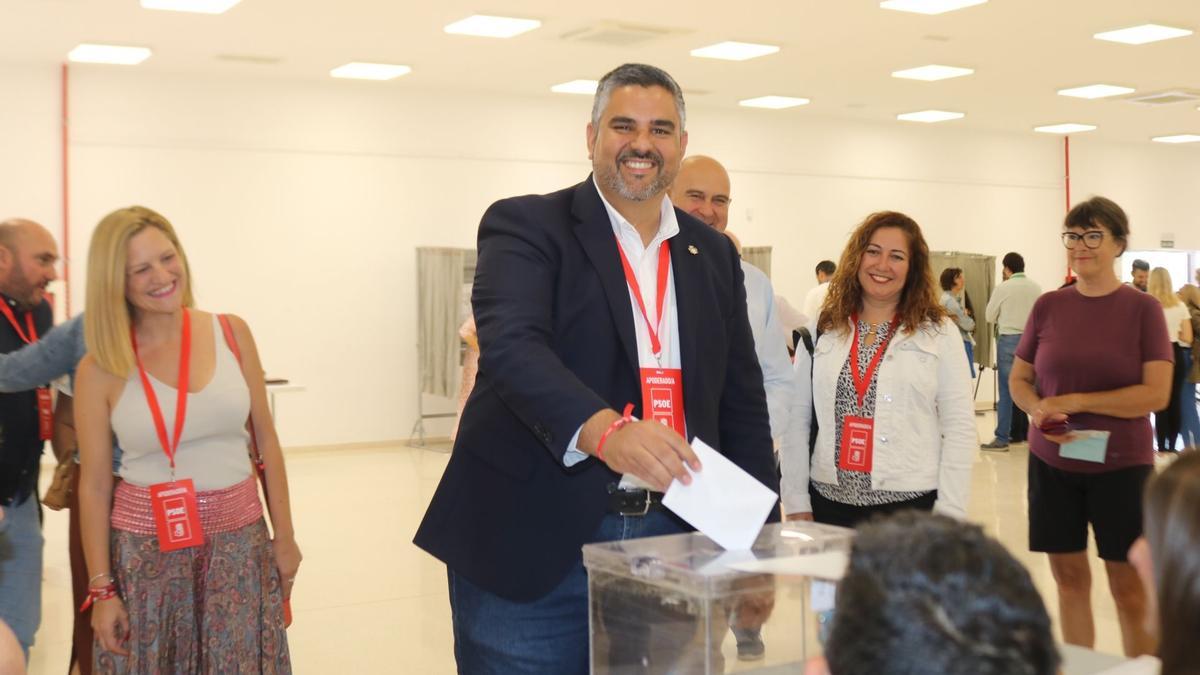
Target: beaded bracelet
(626, 418)
(98, 594)
(106, 575)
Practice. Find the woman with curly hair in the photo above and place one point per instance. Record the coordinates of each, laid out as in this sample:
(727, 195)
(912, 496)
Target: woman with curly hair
(891, 399)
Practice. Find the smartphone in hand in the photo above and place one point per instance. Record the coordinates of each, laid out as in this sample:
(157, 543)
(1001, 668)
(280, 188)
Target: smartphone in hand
(1060, 427)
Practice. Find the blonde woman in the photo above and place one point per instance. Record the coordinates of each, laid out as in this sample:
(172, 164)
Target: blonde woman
(1168, 422)
(184, 577)
(1190, 295)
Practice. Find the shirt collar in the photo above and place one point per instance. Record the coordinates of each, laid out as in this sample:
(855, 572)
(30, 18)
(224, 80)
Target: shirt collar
(1014, 275)
(668, 224)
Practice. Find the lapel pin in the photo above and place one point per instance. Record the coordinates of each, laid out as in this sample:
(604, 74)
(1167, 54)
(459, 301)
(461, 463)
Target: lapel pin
(693, 250)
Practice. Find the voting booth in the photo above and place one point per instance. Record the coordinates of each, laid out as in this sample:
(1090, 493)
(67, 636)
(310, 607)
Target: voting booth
(668, 604)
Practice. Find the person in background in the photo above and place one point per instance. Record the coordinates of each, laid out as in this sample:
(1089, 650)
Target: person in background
(470, 368)
(1167, 560)
(1008, 309)
(1190, 296)
(702, 189)
(790, 321)
(1094, 357)
(28, 254)
(1140, 274)
(893, 403)
(54, 355)
(929, 594)
(205, 593)
(1168, 422)
(816, 295)
(12, 659)
(953, 282)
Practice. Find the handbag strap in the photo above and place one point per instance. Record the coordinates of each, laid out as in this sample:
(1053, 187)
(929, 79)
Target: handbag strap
(255, 457)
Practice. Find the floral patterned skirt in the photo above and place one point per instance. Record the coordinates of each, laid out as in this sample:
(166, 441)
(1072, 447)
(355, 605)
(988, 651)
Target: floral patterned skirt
(215, 608)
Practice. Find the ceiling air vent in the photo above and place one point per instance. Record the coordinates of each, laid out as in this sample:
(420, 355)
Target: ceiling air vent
(249, 58)
(1166, 97)
(616, 34)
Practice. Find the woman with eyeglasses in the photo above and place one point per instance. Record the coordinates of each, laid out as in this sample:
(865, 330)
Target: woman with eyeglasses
(1093, 363)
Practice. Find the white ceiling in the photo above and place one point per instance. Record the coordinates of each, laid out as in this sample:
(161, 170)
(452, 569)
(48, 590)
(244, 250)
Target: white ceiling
(839, 53)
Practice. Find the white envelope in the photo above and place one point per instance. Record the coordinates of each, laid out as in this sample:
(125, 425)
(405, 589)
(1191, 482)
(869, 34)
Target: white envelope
(724, 502)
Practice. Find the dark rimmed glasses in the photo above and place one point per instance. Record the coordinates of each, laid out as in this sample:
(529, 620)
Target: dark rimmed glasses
(1090, 239)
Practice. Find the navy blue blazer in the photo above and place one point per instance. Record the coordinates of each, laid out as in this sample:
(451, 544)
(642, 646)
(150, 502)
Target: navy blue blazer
(557, 345)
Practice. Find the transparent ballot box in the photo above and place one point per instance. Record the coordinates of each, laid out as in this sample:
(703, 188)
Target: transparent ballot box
(672, 605)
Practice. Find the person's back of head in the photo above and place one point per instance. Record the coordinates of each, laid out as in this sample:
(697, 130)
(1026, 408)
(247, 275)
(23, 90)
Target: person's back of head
(825, 270)
(928, 594)
(1172, 530)
(1159, 286)
(1013, 262)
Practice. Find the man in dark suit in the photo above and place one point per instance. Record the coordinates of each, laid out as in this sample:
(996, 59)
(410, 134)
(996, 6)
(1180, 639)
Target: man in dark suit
(589, 302)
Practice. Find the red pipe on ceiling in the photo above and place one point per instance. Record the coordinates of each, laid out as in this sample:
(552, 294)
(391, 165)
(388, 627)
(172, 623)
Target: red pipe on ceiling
(1067, 184)
(66, 189)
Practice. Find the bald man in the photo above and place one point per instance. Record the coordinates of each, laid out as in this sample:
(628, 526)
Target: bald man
(28, 254)
(702, 189)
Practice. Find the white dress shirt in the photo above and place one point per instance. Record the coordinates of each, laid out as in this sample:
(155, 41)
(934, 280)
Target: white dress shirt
(1011, 303)
(644, 261)
(813, 300)
(769, 346)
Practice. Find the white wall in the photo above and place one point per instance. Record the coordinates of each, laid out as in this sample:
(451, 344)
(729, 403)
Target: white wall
(301, 203)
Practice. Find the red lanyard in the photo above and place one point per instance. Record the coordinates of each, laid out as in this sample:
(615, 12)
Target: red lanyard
(664, 266)
(862, 381)
(181, 391)
(8, 314)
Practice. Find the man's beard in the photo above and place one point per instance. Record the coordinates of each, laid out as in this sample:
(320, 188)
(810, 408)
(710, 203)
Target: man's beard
(19, 289)
(612, 179)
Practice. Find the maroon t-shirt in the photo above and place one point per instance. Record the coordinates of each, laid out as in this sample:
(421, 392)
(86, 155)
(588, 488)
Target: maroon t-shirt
(1079, 344)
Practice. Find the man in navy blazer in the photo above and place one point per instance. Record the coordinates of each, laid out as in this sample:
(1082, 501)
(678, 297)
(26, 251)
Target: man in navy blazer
(580, 297)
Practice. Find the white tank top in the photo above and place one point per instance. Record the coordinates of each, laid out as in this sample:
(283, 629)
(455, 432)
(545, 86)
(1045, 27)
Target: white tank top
(213, 447)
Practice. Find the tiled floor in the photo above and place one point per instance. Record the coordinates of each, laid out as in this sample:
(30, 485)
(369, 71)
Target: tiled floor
(367, 601)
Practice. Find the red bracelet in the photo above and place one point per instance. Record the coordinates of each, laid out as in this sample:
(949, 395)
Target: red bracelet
(626, 418)
(98, 594)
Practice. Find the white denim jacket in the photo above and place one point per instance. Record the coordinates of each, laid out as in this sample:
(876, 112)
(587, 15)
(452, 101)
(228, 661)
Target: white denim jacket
(925, 437)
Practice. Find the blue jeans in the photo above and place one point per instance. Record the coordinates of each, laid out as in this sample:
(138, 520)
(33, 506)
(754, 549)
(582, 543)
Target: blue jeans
(1189, 417)
(21, 570)
(547, 636)
(1006, 349)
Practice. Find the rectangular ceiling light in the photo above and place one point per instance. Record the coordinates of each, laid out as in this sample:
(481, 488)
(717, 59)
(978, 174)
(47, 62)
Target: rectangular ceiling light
(928, 6)
(576, 87)
(112, 54)
(773, 102)
(1067, 128)
(1181, 138)
(1140, 35)
(932, 73)
(1095, 91)
(930, 116)
(195, 6)
(734, 51)
(370, 71)
(482, 25)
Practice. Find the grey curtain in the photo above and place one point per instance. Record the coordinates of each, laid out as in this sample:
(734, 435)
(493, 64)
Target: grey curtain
(759, 256)
(441, 273)
(979, 271)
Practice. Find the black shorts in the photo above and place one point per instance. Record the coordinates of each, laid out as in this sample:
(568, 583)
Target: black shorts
(1062, 503)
